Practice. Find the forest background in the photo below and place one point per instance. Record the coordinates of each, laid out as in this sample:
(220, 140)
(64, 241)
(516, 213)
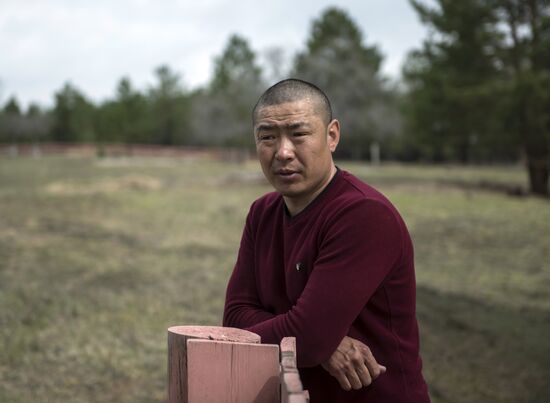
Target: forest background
(477, 90)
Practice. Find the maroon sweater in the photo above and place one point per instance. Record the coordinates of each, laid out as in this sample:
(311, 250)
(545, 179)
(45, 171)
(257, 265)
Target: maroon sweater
(342, 266)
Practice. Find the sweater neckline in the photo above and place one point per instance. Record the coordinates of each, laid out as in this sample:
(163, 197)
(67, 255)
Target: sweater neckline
(290, 220)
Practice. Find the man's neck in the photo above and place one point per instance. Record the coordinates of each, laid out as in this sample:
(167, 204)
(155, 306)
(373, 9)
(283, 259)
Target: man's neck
(296, 205)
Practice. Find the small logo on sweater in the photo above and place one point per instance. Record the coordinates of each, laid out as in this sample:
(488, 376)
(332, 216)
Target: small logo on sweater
(298, 266)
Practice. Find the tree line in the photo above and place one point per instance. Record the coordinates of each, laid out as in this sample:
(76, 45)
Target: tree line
(476, 90)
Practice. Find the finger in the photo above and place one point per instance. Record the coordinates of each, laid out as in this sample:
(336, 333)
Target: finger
(353, 378)
(364, 375)
(342, 380)
(383, 369)
(371, 364)
(358, 361)
(338, 372)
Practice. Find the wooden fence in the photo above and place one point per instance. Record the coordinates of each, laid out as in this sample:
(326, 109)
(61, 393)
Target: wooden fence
(208, 364)
(125, 150)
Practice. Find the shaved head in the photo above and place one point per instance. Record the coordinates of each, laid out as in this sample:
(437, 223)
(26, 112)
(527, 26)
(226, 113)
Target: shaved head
(292, 90)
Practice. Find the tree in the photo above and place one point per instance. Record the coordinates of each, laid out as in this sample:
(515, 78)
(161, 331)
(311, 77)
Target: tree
(236, 66)
(222, 112)
(127, 118)
(482, 79)
(37, 123)
(275, 62)
(16, 126)
(11, 121)
(337, 60)
(12, 107)
(72, 116)
(170, 108)
(452, 101)
(134, 113)
(525, 27)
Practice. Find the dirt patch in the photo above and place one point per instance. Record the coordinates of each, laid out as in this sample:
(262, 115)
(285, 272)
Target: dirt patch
(133, 162)
(109, 185)
(245, 178)
(446, 185)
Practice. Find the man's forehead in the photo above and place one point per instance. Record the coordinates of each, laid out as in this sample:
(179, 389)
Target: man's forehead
(278, 125)
(297, 110)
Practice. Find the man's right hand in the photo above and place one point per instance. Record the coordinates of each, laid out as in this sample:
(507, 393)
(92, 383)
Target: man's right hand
(353, 364)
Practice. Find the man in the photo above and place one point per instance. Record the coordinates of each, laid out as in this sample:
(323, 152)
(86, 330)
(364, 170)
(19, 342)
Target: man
(326, 259)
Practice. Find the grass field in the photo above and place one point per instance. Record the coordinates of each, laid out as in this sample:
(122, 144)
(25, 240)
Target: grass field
(99, 257)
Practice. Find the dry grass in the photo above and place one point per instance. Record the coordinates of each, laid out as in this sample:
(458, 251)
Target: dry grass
(98, 258)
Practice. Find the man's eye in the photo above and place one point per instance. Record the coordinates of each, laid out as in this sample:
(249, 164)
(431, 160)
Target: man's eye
(299, 134)
(266, 137)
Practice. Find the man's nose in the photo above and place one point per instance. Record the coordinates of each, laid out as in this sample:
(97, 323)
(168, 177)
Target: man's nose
(285, 149)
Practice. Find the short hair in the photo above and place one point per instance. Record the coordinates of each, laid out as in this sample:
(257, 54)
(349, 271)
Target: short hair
(291, 90)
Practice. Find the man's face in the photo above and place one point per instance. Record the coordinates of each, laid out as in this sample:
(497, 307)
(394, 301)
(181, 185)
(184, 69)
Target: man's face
(295, 146)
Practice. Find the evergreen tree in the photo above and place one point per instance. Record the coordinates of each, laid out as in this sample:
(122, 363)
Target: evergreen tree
(72, 116)
(37, 123)
(12, 107)
(338, 61)
(482, 79)
(127, 118)
(452, 101)
(169, 107)
(525, 64)
(11, 121)
(134, 113)
(221, 113)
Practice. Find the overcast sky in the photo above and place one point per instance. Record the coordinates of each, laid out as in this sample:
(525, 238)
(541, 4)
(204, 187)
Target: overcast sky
(93, 43)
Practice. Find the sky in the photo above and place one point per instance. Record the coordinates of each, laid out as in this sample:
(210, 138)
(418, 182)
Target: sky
(93, 44)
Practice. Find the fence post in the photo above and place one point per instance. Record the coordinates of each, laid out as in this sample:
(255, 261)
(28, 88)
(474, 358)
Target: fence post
(292, 390)
(209, 364)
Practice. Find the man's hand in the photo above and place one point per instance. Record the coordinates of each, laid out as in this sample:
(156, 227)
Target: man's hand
(353, 364)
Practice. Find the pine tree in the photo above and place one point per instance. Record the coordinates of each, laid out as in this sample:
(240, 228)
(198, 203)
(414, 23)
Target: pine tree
(337, 60)
(481, 82)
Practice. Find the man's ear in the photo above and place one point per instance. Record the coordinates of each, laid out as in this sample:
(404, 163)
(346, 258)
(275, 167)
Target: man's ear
(333, 134)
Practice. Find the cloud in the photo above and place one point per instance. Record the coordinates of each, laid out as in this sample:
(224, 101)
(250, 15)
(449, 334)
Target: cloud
(94, 44)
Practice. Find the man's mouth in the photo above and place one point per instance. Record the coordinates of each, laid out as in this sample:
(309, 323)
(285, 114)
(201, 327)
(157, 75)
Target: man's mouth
(286, 173)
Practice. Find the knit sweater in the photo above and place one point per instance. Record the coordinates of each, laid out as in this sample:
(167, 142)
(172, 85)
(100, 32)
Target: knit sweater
(342, 266)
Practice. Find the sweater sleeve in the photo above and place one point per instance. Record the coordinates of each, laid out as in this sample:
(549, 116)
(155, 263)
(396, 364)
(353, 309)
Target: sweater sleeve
(243, 307)
(362, 243)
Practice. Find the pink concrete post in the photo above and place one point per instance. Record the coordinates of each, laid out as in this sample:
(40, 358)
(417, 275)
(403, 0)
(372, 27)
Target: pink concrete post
(227, 365)
(223, 372)
(291, 386)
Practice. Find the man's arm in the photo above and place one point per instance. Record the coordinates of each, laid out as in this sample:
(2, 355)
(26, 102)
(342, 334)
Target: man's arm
(363, 243)
(243, 307)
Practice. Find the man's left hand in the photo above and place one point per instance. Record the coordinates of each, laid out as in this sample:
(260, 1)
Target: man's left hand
(353, 364)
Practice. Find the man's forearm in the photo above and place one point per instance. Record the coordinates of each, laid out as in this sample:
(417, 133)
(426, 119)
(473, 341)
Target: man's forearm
(244, 316)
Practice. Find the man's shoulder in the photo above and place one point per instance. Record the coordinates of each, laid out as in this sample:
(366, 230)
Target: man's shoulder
(354, 196)
(355, 189)
(267, 202)
(358, 204)
(268, 199)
